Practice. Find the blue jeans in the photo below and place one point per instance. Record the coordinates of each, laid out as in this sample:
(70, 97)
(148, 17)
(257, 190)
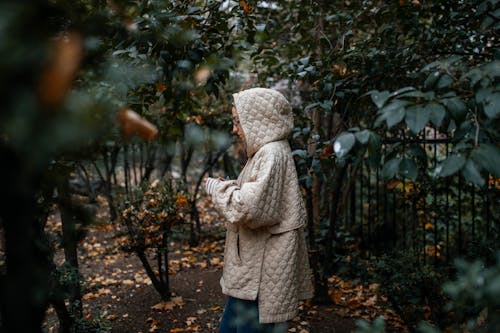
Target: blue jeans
(242, 316)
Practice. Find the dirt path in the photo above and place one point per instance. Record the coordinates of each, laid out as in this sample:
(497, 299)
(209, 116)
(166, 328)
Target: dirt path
(202, 309)
(197, 303)
(119, 295)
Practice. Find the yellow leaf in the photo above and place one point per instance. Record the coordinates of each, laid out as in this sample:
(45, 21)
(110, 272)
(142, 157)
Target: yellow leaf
(336, 296)
(128, 282)
(112, 317)
(393, 183)
(162, 306)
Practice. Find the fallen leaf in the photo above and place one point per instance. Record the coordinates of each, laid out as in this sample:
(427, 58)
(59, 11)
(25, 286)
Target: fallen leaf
(112, 317)
(128, 282)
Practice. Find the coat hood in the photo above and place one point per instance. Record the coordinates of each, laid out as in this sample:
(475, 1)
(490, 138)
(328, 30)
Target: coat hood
(265, 116)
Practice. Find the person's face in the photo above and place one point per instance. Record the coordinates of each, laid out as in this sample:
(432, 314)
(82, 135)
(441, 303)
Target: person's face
(237, 129)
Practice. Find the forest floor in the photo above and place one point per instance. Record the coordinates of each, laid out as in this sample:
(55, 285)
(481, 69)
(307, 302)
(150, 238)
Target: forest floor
(119, 296)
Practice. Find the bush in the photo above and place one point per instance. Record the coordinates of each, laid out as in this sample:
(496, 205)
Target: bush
(473, 301)
(413, 288)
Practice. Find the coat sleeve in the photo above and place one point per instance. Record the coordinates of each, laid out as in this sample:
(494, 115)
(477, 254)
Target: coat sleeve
(257, 202)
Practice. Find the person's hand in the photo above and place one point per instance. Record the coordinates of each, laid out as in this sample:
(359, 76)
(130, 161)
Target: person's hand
(210, 184)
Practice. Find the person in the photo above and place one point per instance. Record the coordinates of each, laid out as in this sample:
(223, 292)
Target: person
(266, 266)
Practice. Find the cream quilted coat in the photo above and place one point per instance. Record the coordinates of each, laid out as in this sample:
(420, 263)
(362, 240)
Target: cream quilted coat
(265, 256)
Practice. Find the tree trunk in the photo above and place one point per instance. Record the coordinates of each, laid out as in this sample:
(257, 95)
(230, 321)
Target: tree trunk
(150, 164)
(186, 156)
(70, 245)
(110, 167)
(320, 285)
(160, 287)
(330, 236)
(24, 290)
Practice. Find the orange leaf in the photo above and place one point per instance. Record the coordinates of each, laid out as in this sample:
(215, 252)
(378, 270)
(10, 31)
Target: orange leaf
(132, 123)
(327, 152)
(56, 78)
(247, 9)
(336, 296)
(393, 183)
(181, 201)
(160, 87)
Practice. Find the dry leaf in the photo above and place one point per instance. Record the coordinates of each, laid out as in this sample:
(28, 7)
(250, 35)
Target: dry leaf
(56, 78)
(154, 324)
(128, 282)
(169, 305)
(202, 75)
(327, 152)
(132, 123)
(164, 306)
(393, 183)
(247, 9)
(336, 296)
(112, 317)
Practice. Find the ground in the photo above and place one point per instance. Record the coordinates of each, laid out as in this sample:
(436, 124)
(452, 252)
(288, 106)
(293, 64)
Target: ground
(118, 293)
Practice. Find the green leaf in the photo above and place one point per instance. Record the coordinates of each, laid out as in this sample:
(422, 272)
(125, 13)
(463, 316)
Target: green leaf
(417, 117)
(394, 112)
(444, 81)
(450, 166)
(311, 106)
(343, 144)
(300, 153)
(456, 107)
(305, 61)
(326, 105)
(487, 156)
(412, 94)
(408, 168)
(391, 168)
(417, 151)
(437, 113)
(432, 79)
(492, 105)
(379, 97)
(472, 174)
(402, 91)
(363, 136)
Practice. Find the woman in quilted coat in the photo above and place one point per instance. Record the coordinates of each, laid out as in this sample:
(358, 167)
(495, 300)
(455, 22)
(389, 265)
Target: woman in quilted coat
(266, 269)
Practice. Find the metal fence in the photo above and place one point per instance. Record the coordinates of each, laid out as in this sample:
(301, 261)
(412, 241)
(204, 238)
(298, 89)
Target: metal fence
(435, 218)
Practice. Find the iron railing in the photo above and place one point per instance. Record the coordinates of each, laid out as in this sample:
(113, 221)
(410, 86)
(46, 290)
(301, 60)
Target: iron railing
(435, 218)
